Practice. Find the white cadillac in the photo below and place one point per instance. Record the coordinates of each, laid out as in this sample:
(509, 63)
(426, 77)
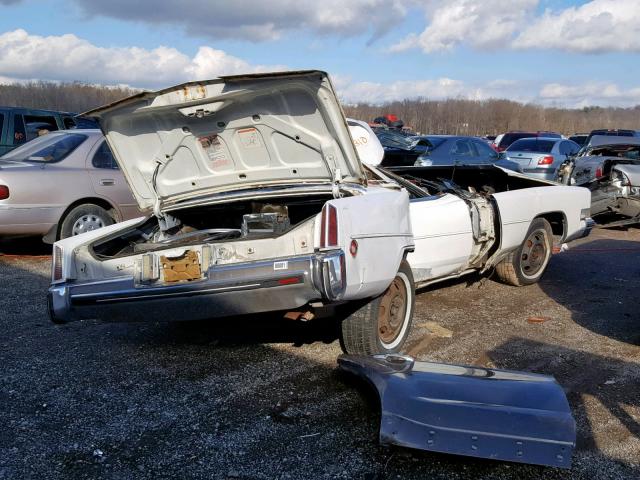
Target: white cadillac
(260, 203)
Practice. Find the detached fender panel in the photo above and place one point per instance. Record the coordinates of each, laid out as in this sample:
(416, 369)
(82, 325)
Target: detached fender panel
(466, 410)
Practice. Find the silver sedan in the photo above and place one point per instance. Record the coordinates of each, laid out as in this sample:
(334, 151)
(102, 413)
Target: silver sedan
(540, 157)
(62, 184)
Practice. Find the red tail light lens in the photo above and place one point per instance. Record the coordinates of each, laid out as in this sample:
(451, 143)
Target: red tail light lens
(329, 227)
(548, 160)
(4, 192)
(599, 172)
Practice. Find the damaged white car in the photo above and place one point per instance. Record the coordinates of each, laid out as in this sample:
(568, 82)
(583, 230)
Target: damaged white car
(468, 218)
(259, 203)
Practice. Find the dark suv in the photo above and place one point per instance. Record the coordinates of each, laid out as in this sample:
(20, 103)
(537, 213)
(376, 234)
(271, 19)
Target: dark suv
(510, 137)
(19, 125)
(612, 133)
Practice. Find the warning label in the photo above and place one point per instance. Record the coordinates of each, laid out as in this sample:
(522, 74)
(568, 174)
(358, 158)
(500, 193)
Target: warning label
(249, 138)
(215, 150)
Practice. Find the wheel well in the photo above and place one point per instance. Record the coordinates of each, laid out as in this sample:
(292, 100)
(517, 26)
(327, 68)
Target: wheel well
(93, 201)
(557, 221)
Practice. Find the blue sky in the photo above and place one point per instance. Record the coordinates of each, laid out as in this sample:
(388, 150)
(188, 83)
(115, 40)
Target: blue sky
(555, 52)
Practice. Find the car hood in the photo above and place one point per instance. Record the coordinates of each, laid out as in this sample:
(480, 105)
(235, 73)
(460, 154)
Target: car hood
(231, 133)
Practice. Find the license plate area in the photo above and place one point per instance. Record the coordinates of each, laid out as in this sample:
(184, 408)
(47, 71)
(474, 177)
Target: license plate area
(184, 268)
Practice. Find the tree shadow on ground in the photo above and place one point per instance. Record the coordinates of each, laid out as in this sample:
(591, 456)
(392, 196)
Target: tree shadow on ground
(603, 297)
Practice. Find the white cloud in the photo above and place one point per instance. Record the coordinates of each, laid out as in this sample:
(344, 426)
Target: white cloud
(371, 92)
(482, 24)
(595, 27)
(589, 94)
(251, 20)
(68, 58)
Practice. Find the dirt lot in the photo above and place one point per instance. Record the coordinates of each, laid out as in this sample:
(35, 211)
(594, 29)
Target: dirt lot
(260, 398)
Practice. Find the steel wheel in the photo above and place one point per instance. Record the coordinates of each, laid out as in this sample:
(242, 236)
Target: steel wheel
(392, 312)
(535, 253)
(86, 223)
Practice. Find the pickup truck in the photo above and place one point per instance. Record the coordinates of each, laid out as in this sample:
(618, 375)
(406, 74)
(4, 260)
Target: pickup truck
(258, 202)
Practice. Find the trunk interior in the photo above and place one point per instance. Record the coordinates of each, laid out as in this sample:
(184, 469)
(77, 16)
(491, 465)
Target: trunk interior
(238, 221)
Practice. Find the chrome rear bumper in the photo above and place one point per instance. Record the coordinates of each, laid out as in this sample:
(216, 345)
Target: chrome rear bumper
(233, 289)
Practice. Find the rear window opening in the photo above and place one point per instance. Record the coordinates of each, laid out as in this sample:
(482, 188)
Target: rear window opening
(531, 145)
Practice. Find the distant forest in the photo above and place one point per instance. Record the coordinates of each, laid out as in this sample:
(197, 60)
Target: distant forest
(68, 97)
(452, 116)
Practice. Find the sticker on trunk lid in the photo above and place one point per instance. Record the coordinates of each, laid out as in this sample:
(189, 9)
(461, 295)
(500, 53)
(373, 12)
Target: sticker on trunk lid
(215, 150)
(249, 138)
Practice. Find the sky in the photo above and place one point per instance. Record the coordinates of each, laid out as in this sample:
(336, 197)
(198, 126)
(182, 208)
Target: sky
(565, 53)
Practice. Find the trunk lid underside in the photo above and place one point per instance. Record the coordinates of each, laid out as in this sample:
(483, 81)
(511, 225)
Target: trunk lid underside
(231, 133)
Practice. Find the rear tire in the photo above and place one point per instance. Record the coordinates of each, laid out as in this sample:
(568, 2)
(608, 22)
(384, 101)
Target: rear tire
(527, 264)
(383, 324)
(84, 218)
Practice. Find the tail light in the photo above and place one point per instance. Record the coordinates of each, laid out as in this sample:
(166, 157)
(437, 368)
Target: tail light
(4, 192)
(599, 173)
(329, 227)
(548, 160)
(56, 270)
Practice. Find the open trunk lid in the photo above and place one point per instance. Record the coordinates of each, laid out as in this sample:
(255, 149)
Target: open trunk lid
(466, 410)
(232, 133)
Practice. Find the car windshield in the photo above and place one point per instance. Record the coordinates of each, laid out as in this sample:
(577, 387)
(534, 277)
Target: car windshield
(531, 145)
(396, 139)
(49, 148)
(435, 141)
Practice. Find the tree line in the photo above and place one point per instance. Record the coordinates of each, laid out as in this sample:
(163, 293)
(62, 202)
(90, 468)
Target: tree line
(69, 97)
(450, 116)
(495, 116)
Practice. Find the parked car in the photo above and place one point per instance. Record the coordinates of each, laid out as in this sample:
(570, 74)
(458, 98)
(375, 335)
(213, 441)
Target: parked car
(62, 184)
(20, 125)
(259, 203)
(457, 150)
(539, 156)
(426, 150)
(611, 132)
(609, 167)
(579, 138)
(510, 137)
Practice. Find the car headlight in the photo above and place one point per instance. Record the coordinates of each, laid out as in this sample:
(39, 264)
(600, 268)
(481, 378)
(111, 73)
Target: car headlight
(423, 162)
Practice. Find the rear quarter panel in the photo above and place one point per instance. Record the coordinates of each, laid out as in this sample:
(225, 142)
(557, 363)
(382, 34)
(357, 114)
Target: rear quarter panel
(379, 221)
(518, 208)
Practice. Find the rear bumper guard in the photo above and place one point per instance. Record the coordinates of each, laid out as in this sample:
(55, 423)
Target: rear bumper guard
(232, 289)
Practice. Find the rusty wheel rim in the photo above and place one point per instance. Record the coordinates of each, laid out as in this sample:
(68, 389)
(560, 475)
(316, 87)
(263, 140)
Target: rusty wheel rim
(392, 312)
(535, 253)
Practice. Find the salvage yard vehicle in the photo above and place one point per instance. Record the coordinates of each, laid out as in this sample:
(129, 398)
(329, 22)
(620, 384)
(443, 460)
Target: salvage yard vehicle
(477, 217)
(540, 157)
(20, 125)
(62, 184)
(609, 166)
(468, 218)
(259, 202)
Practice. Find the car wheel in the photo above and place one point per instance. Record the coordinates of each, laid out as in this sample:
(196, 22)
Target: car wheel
(528, 262)
(84, 218)
(382, 325)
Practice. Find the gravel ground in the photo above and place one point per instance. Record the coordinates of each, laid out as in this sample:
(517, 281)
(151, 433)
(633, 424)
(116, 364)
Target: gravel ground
(260, 398)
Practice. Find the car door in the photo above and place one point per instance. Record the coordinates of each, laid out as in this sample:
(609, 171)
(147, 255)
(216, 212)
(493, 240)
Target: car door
(108, 181)
(443, 236)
